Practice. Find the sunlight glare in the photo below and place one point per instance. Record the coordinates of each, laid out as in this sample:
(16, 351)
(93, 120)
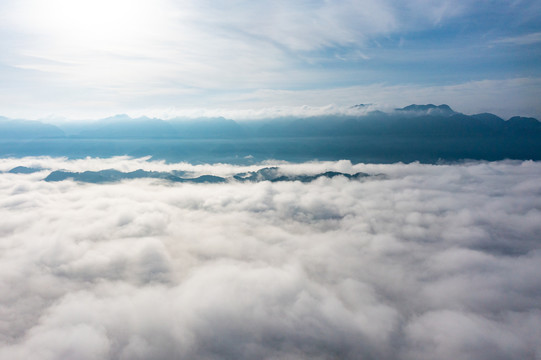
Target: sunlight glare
(96, 24)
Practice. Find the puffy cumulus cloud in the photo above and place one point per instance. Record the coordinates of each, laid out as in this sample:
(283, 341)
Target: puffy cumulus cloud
(431, 261)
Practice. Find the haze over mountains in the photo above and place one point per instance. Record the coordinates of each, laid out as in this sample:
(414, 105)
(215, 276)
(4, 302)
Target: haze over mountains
(426, 133)
(410, 120)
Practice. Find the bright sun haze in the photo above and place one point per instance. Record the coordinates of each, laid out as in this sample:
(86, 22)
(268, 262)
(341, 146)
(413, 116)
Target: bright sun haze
(105, 25)
(83, 59)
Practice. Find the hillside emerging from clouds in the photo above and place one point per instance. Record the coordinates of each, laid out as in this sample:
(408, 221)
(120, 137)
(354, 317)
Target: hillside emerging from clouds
(427, 133)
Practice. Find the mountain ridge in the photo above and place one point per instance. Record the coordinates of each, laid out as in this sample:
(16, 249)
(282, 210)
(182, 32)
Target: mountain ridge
(272, 174)
(429, 119)
(427, 133)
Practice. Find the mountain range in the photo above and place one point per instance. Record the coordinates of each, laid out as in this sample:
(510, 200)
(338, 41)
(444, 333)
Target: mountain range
(272, 174)
(412, 120)
(427, 133)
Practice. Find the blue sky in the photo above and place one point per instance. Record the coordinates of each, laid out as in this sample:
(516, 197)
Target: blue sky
(84, 59)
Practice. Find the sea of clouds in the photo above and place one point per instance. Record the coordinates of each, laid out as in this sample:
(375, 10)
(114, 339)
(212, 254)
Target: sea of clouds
(425, 262)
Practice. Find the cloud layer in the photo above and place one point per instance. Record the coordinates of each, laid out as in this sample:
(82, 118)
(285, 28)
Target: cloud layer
(434, 261)
(97, 58)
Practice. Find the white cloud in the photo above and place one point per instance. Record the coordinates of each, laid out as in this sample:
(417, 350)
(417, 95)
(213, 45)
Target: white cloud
(526, 39)
(83, 58)
(433, 260)
(506, 98)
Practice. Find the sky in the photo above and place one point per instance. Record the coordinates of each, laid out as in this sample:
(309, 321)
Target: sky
(427, 261)
(85, 59)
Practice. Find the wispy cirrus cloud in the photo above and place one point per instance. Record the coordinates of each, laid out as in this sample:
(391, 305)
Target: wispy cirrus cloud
(527, 39)
(123, 54)
(505, 98)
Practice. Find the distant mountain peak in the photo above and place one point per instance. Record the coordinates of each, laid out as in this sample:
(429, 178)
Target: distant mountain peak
(272, 174)
(428, 109)
(523, 119)
(361, 106)
(521, 123)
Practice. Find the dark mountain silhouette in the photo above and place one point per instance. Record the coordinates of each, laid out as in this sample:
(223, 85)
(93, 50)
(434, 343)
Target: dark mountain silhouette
(111, 175)
(523, 125)
(24, 170)
(272, 174)
(430, 109)
(361, 106)
(427, 133)
(490, 121)
(412, 120)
